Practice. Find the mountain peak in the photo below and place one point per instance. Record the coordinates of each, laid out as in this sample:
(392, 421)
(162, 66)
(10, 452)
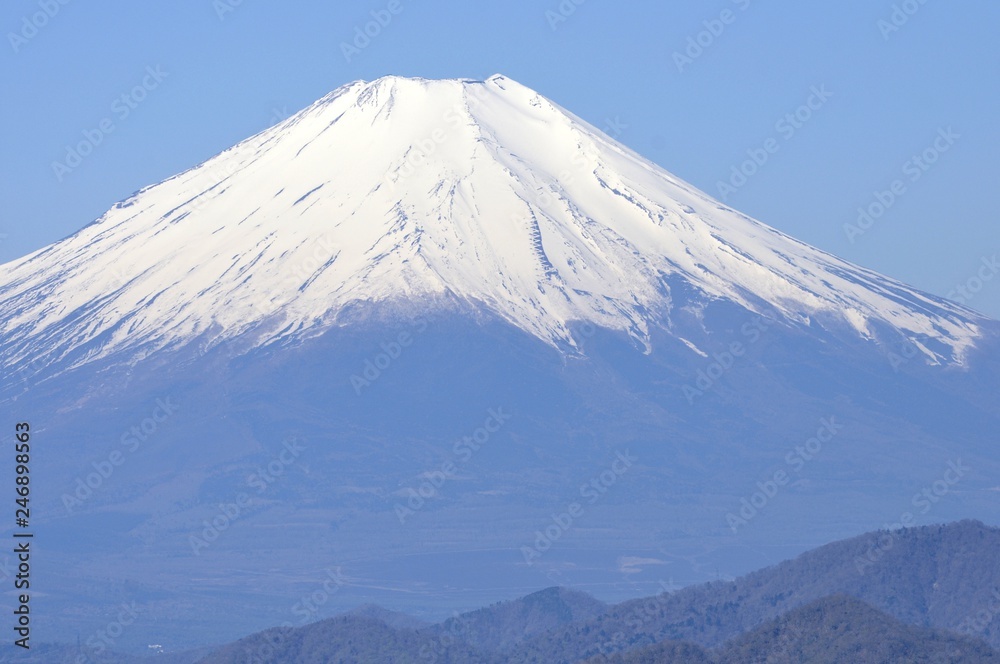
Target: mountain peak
(445, 192)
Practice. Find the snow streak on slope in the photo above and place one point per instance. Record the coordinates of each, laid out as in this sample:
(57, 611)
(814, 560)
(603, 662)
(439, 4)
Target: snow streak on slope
(465, 194)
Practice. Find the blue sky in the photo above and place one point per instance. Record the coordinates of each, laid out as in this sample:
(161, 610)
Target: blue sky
(700, 88)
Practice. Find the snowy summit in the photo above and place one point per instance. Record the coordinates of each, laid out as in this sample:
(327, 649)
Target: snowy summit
(462, 194)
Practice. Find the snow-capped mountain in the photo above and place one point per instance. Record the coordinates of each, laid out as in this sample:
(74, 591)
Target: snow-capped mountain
(453, 193)
(431, 344)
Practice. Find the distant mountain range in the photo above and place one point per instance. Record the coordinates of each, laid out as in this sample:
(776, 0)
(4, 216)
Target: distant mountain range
(934, 596)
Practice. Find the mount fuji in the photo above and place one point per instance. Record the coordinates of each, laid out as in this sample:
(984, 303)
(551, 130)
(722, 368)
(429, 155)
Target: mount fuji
(478, 195)
(443, 342)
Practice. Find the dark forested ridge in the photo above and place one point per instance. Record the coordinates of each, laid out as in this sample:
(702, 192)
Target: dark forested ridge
(390, 618)
(941, 576)
(844, 629)
(502, 626)
(347, 639)
(832, 630)
(928, 594)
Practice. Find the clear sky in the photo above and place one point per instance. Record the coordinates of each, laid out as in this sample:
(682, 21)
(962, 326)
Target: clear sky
(698, 87)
